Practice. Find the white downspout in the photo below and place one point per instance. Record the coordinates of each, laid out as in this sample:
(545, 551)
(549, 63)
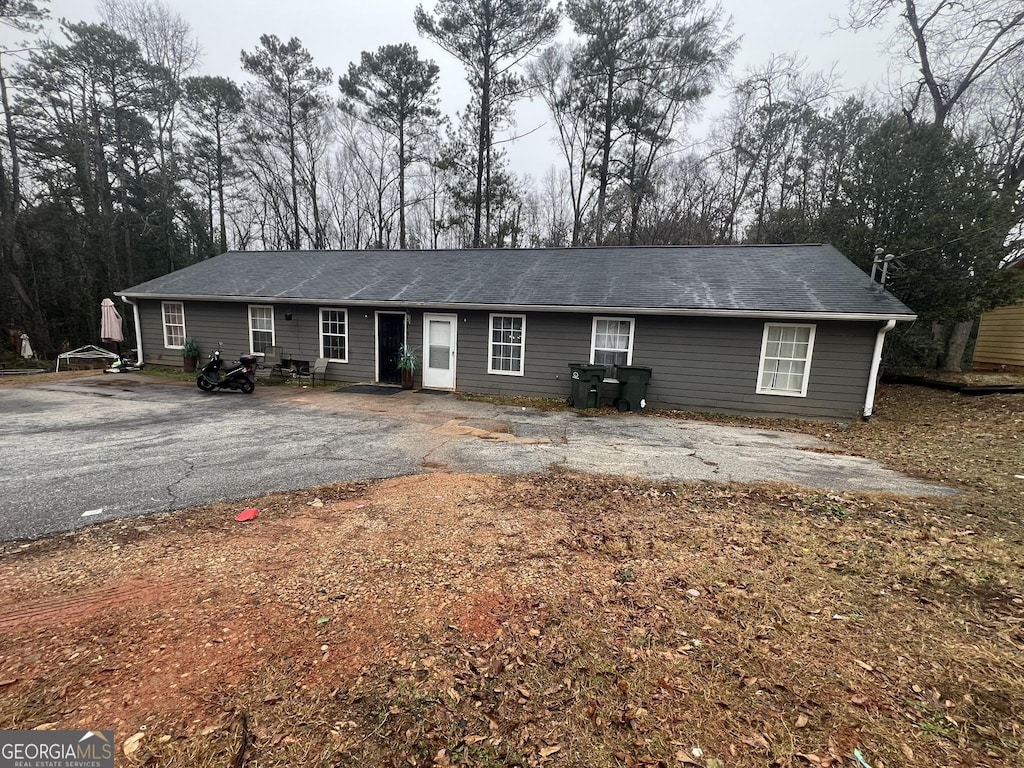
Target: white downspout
(138, 328)
(876, 361)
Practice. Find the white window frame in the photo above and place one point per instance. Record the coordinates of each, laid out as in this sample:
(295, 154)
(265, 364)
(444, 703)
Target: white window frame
(163, 323)
(344, 313)
(273, 331)
(593, 337)
(762, 390)
(491, 344)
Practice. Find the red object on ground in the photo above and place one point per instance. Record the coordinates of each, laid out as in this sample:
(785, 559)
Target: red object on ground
(247, 514)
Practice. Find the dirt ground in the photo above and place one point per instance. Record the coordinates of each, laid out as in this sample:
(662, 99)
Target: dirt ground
(15, 382)
(474, 620)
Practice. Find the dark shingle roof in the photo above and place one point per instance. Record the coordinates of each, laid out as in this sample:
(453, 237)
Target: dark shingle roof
(797, 279)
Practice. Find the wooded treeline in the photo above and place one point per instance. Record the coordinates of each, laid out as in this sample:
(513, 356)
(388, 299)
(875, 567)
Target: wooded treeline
(121, 161)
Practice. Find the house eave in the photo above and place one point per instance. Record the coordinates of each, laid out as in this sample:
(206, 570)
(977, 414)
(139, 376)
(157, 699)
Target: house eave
(578, 309)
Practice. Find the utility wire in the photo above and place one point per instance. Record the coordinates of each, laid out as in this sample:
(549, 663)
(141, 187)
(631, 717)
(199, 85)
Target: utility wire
(954, 240)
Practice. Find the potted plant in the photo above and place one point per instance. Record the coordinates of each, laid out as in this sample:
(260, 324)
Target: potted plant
(408, 362)
(190, 355)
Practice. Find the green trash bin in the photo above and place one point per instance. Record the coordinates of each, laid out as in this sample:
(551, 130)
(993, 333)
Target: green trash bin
(634, 380)
(586, 384)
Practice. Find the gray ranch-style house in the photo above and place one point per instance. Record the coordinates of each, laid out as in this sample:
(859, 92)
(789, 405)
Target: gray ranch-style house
(791, 330)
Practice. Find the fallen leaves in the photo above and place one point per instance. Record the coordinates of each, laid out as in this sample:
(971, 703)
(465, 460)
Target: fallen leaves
(131, 744)
(547, 618)
(814, 759)
(757, 741)
(682, 756)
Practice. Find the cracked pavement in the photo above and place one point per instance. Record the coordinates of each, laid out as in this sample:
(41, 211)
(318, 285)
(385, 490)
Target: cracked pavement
(102, 447)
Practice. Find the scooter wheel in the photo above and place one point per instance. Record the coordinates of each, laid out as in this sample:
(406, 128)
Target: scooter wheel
(204, 384)
(248, 386)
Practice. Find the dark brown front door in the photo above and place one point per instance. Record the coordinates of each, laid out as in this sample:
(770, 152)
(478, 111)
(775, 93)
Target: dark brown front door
(390, 337)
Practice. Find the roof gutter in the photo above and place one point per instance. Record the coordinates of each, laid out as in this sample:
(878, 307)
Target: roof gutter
(138, 327)
(669, 311)
(876, 360)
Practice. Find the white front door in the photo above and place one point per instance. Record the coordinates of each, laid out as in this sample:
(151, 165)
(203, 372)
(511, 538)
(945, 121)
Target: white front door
(439, 351)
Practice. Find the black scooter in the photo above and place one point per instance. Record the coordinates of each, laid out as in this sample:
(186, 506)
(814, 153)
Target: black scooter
(215, 375)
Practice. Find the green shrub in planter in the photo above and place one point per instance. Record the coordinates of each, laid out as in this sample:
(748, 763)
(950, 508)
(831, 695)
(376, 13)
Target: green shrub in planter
(408, 362)
(407, 359)
(190, 353)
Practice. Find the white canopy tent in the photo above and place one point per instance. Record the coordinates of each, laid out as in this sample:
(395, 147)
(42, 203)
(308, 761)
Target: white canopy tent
(88, 352)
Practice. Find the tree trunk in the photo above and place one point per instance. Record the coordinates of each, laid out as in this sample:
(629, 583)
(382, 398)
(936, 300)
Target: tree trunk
(606, 152)
(401, 186)
(165, 194)
(122, 172)
(957, 345)
(211, 250)
(220, 188)
(318, 238)
(635, 204)
(292, 152)
(12, 203)
(939, 335)
(101, 182)
(483, 140)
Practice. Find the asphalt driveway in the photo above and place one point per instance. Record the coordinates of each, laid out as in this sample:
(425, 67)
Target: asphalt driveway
(102, 447)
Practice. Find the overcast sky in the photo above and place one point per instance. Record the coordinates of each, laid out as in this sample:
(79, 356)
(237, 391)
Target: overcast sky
(337, 31)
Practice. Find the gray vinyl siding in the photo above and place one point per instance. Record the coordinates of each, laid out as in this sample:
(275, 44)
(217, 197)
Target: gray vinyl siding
(210, 322)
(711, 364)
(700, 363)
(206, 322)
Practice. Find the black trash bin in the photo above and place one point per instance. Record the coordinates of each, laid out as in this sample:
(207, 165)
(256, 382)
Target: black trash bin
(586, 385)
(634, 379)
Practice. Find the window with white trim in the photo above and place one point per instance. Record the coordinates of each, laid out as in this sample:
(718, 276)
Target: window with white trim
(334, 335)
(261, 328)
(508, 345)
(785, 365)
(612, 342)
(174, 324)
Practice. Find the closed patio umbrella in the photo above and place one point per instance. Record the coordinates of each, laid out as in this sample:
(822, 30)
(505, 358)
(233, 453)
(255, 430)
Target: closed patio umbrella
(110, 323)
(26, 348)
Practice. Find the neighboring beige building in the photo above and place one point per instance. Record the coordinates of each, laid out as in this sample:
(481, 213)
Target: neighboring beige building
(1001, 336)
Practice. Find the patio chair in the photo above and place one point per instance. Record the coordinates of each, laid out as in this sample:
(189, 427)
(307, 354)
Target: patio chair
(272, 358)
(319, 368)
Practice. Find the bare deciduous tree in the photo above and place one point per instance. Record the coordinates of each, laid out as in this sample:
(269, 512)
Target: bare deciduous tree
(954, 44)
(398, 94)
(287, 97)
(166, 42)
(961, 48)
(570, 103)
(491, 38)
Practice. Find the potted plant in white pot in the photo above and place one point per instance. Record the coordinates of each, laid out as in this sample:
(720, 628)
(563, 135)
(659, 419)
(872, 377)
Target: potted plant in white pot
(408, 362)
(190, 355)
